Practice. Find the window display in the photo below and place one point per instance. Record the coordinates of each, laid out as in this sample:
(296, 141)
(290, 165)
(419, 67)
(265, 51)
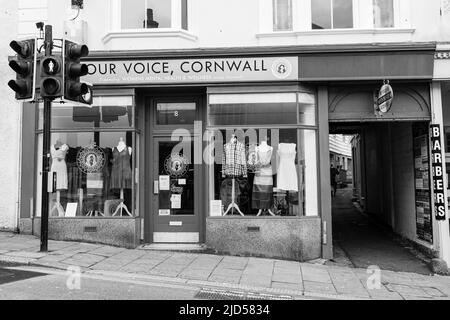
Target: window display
(260, 172)
(268, 163)
(91, 170)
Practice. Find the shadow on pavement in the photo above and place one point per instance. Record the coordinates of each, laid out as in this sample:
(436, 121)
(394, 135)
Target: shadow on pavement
(366, 244)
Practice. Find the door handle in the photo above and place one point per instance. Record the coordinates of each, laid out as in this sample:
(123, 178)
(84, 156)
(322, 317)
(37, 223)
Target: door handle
(155, 187)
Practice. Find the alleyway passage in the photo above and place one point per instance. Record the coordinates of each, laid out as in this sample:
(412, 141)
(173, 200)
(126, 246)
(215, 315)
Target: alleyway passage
(365, 244)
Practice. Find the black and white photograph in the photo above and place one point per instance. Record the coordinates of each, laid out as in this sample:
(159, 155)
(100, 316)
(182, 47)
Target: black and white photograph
(224, 159)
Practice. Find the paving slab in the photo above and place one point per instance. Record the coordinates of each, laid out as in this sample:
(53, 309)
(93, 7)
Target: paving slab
(258, 281)
(319, 287)
(315, 275)
(26, 254)
(408, 291)
(287, 278)
(287, 286)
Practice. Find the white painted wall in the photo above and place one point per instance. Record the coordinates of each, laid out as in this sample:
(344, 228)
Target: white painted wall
(9, 120)
(403, 179)
(235, 23)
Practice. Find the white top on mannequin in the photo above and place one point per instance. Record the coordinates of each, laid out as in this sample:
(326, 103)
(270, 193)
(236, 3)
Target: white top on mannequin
(121, 146)
(264, 145)
(233, 138)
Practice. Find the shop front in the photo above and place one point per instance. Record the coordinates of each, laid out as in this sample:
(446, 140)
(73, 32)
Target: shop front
(198, 148)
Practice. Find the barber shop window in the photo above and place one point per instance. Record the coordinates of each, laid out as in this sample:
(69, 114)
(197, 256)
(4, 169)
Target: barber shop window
(93, 156)
(282, 15)
(383, 13)
(331, 14)
(153, 14)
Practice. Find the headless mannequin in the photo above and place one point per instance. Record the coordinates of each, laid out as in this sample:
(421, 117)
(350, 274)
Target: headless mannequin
(121, 145)
(264, 147)
(233, 204)
(57, 206)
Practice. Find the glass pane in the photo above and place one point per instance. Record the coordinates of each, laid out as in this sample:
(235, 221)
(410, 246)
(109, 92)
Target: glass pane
(176, 180)
(383, 13)
(184, 14)
(342, 14)
(282, 15)
(252, 109)
(105, 112)
(132, 14)
(175, 113)
(263, 172)
(321, 14)
(91, 174)
(158, 13)
(307, 109)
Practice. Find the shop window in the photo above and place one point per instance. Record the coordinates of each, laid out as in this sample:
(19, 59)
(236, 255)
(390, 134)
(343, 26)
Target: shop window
(152, 14)
(332, 14)
(282, 15)
(252, 109)
(105, 112)
(263, 172)
(383, 13)
(91, 174)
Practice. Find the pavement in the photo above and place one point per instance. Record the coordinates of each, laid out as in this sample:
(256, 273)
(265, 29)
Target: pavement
(268, 276)
(366, 243)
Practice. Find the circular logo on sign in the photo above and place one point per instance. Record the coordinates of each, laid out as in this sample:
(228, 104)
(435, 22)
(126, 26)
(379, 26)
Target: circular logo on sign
(385, 98)
(176, 165)
(281, 68)
(91, 159)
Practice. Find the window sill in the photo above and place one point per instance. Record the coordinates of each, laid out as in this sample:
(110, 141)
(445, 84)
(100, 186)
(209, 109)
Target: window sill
(336, 32)
(149, 33)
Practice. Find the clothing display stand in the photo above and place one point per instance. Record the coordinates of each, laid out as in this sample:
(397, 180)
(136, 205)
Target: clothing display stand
(58, 206)
(121, 206)
(233, 204)
(261, 211)
(94, 213)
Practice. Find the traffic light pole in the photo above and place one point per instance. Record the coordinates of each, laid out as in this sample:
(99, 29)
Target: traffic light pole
(48, 45)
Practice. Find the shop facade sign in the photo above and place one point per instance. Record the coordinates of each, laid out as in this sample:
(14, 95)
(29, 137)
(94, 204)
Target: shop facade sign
(204, 70)
(438, 171)
(385, 97)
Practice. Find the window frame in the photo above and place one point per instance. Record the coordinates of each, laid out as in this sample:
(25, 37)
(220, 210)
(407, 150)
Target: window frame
(209, 169)
(363, 18)
(176, 20)
(135, 136)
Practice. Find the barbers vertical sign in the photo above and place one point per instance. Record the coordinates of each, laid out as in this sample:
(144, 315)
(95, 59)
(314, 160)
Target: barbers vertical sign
(438, 171)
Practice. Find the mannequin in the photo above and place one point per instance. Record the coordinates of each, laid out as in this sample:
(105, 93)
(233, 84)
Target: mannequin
(58, 153)
(263, 183)
(121, 177)
(234, 165)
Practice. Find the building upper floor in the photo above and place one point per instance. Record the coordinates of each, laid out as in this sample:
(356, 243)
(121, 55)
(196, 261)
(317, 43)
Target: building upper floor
(167, 24)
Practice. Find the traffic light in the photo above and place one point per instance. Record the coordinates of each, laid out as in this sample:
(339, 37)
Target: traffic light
(73, 70)
(51, 77)
(24, 66)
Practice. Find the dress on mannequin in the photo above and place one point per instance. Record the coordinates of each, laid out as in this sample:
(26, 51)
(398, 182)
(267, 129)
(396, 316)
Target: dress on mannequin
(262, 195)
(59, 167)
(287, 172)
(121, 177)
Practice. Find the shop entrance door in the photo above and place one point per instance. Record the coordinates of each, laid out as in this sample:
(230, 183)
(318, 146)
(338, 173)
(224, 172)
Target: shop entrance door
(175, 198)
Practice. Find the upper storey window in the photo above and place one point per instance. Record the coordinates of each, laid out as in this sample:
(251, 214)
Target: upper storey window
(152, 14)
(282, 15)
(331, 14)
(383, 13)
